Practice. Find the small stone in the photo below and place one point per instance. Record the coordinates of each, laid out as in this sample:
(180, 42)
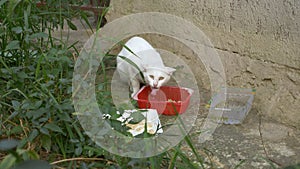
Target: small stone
(293, 76)
(228, 155)
(248, 69)
(231, 43)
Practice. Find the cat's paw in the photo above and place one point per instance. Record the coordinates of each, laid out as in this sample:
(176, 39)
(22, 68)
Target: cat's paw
(135, 90)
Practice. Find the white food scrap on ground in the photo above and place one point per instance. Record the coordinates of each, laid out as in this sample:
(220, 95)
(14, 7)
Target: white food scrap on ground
(153, 122)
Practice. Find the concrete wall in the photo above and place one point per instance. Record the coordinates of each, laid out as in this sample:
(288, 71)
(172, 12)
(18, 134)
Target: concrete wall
(257, 40)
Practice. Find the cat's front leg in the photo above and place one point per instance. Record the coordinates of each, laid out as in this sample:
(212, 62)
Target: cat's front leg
(135, 85)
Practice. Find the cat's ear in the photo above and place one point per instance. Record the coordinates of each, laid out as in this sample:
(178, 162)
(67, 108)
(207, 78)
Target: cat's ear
(170, 70)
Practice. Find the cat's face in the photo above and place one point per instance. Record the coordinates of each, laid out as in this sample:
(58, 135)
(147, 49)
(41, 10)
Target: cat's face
(157, 77)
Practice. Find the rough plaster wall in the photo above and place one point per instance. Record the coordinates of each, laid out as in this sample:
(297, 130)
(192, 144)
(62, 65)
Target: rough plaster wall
(257, 40)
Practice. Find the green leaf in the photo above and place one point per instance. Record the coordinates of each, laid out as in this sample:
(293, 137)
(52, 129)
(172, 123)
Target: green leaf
(8, 162)
(15, 44)
(13, 115)
(38, 104)
(117, 125)
(44, 131)
(8, 144)
(46, 142)
(37, 113)
(38, 35)
(22, 75)
(53, 127)
(23, 142)
(137, 117)
(24, 155)
(33, 154)
(16, 130)
(33, 135)
(15, 104)
(78, 150)
(71, 25)
(17, 29)
(33, 164)
(64, 116)
(64, 59)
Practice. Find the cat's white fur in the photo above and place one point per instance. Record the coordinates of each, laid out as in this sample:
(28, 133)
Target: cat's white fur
(149, 62)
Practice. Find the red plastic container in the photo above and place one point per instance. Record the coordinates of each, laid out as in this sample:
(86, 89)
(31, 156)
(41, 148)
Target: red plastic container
(168, 100)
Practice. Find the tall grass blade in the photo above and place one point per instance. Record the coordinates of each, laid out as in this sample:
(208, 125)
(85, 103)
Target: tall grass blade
(185, 159)
(240, 164)
(86, 20)
(187, 138)
(134, 65)
(173, 160)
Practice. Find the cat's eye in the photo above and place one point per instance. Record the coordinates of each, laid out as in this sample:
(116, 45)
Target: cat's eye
(161, 78)
(151, 76)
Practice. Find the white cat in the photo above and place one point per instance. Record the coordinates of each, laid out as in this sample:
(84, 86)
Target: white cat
(148, 60)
